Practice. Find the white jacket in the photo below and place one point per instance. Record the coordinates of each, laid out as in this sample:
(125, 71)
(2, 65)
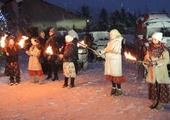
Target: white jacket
(113, 60)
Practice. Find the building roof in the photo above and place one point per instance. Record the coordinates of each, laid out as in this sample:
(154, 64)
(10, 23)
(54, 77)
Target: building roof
(38, 10)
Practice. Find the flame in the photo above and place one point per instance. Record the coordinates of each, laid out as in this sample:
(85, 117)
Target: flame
(81, 44)
(129, 56)
(21, 42)
(49, 50)
(3, 41)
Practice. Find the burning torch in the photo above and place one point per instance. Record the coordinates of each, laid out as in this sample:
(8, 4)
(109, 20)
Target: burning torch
(84, 45)
(49, 50)
(132, 58)
(22, 41)
(3, 41)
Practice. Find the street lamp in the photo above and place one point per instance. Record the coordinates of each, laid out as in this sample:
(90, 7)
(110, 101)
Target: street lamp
(87, 24)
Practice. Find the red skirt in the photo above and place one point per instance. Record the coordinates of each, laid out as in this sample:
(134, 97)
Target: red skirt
(119, 79)
(36, 73)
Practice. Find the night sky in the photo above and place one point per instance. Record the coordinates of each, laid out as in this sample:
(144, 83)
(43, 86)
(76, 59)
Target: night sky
(139, 6)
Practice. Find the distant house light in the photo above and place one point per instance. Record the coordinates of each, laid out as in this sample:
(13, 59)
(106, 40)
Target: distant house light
(87, 21)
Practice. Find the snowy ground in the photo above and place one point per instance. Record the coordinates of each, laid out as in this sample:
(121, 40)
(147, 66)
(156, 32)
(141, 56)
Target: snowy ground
(89, 100)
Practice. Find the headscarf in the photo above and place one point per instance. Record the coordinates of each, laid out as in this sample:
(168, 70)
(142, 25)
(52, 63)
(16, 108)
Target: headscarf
(68, 38)
(116, 33)
(73, 34)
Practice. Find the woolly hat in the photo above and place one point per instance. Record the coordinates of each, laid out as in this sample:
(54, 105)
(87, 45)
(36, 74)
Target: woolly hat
(73, 34)
(157, 35)
(116, 33)
(53, 30)
(68, 38)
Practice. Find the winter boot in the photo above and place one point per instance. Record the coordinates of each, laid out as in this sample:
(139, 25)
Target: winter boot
(32, 80)
(11, 80)
(17, 80)
(72, 83)
(65, 82)
(49, 76)
(118, 92)
(160, 106)
(55, 77)
(154, 104)
(41, 80)
(113, 91)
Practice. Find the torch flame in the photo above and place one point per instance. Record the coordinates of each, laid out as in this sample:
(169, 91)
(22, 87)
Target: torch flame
(81, 44)
(49, 50)
(129, 56)
(3, 41)
(21, 42)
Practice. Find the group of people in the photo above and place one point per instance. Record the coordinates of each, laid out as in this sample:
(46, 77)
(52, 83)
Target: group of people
(40, 62)
(155, 61)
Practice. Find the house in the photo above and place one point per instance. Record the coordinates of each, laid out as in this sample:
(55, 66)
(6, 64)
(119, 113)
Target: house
(37, 15)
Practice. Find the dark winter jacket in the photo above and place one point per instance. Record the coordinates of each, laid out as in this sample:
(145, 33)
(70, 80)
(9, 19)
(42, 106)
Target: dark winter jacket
(70, 53)
(42, 41)
(75, 41)
(88, 40)
(52, 41)
(13, 54)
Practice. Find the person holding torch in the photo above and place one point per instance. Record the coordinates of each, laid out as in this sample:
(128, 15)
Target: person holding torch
(12, 68)
(113, 62)
(52, 58)
(69, 56)
(34, 65)
(155, 61)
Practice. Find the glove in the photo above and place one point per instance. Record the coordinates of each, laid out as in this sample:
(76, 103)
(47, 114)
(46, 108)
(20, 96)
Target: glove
(154, 63)
(151, 63)
(101, 52)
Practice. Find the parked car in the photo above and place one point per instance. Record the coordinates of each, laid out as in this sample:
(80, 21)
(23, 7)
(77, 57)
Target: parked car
(82, 57)
(100, 41)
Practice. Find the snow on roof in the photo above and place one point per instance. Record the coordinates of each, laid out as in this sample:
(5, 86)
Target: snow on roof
(157, 16)
(157, 20)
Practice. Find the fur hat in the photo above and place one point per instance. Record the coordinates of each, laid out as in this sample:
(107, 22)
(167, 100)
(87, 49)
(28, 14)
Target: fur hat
(158, 36)
(68, 38)
(73, 34)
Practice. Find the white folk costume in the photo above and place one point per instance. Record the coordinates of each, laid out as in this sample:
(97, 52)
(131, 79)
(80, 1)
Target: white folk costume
(113, 62)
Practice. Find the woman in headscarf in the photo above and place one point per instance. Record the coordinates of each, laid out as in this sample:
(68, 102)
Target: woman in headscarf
(113, 62)
(155, 61)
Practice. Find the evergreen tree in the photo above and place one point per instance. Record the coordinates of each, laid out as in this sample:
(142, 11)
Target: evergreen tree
(3, 26)
(103, 23)
(85, 12)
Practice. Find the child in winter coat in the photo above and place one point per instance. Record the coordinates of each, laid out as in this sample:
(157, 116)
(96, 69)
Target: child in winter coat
(12, 66)
(34, 65)
(69, 58)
